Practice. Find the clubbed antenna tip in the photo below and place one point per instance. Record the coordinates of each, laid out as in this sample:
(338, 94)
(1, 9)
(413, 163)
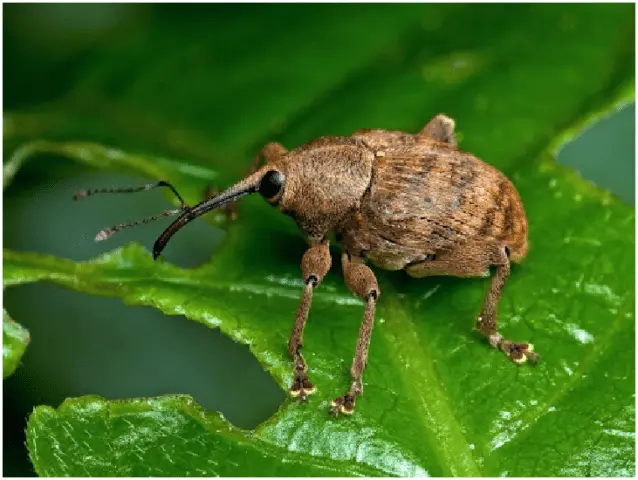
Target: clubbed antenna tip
(104, 234)
(110, 231)
(81, 194)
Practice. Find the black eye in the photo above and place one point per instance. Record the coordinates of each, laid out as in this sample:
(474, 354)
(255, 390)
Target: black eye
(271, 184)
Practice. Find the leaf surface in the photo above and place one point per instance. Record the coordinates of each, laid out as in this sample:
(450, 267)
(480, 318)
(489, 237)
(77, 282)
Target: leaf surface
(15, 339)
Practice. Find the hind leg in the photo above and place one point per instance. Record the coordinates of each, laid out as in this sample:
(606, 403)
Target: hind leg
(486, 322)
(441, 129)
(476, 263)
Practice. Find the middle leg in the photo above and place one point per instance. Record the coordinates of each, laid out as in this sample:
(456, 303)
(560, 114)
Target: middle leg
(362, 282)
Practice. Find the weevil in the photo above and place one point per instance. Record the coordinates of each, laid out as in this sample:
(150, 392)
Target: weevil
(400, 201)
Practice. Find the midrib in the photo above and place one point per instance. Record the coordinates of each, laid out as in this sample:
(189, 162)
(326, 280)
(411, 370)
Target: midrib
(422, 386)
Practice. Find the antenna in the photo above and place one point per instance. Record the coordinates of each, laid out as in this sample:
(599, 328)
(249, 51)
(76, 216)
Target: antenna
(149, 186)
(110, 231)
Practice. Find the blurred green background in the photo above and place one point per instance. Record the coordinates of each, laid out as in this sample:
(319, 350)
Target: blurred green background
(133, 351)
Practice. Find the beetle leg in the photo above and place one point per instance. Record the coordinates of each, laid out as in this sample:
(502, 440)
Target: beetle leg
(315, 263)
(441, 129)
(269, 153)
(362, 282)
(486, 322)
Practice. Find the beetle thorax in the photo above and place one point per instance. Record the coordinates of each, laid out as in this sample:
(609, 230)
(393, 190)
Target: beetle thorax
(325, 181)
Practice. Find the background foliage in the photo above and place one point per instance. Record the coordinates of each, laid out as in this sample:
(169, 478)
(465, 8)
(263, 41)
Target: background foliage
(191, 93)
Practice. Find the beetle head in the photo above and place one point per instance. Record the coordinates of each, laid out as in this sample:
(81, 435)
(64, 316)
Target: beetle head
(318, 185)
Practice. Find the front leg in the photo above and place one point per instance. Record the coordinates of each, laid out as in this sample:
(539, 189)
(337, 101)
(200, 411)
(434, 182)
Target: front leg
(315, 263)
(362, 282)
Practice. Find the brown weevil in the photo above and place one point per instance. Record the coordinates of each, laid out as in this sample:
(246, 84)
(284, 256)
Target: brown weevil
(402, 201)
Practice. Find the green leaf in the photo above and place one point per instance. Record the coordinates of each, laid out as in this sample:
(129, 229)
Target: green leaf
(15, 339)
(430, 364)
(137, 438)
(437, 400)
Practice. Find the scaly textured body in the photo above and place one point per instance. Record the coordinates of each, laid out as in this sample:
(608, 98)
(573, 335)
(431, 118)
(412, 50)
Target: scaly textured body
(401, 201)
(430, 205)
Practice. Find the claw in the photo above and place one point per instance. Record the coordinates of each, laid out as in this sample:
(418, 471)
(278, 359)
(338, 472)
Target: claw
(295, 392)
(301, 388)
(518, 357)
(519, 352)
(344, 405)
(533, 357)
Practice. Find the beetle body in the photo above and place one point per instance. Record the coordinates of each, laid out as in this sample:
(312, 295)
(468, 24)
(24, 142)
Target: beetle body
(404, 202)
(399, 200)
